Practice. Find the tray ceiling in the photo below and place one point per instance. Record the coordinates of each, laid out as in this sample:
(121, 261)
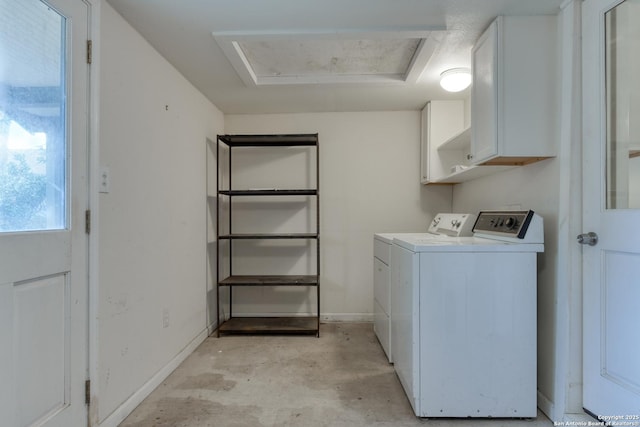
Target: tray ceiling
(329, 58)
(282, 56)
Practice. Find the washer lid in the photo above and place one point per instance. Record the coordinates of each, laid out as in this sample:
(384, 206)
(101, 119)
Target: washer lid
(388, 237)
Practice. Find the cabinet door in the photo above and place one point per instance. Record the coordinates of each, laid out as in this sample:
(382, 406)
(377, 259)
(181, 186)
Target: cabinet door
(484, 96)
(424, 144)
(441, 120)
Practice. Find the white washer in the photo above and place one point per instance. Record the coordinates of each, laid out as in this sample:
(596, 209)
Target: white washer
(463, 322)
(442, 225)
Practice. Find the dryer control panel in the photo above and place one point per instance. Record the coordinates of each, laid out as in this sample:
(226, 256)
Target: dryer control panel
(519, 226)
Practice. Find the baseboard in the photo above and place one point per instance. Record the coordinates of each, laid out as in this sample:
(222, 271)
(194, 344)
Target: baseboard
(324, 317)
(211, 328)
(347, 317)
(548, 408)
(545, 405)
(143, 392)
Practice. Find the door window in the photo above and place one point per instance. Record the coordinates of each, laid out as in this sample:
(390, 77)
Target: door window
(622, 32)
(33, 166)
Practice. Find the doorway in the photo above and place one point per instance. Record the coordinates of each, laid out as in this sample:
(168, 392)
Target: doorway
(44, 146)
(611, 210)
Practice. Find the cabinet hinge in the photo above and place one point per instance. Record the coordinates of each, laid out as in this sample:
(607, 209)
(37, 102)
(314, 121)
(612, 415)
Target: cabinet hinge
(89, 51)
(87, 221)
(87, 392)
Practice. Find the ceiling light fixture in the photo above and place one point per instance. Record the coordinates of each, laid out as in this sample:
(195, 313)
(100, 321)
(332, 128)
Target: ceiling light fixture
(455, 79)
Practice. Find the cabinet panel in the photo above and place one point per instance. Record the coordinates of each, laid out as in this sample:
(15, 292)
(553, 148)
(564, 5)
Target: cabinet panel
(382, 250)
(381, 328)
(424, 144)
(442, 121)
(381, 284)
(514, 92)
(484, 139)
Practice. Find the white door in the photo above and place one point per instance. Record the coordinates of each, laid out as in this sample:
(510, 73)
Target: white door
(611, 197)
(43, 198)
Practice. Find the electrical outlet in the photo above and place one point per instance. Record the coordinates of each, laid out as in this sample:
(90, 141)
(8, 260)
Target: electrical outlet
(165, 318)
(105, 180)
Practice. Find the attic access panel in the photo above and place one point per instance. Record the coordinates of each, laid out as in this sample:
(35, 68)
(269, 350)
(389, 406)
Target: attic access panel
(316, 58)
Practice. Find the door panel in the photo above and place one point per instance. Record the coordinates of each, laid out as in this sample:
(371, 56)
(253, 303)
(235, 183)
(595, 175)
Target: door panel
(43, 197)
(54, 256)
(611, 101)
(41, 346)
(620, 295)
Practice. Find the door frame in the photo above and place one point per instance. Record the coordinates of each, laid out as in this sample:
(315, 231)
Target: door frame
(566, 402)
(565, 405)
(93, 174)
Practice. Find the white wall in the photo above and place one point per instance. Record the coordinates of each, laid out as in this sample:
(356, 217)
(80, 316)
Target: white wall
(369, 169)
(152, 267)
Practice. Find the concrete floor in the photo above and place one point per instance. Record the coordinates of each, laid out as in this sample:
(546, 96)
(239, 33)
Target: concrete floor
(340, 379)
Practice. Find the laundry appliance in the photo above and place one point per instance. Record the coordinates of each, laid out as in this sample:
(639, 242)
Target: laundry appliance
(463, 318)
(443, 225)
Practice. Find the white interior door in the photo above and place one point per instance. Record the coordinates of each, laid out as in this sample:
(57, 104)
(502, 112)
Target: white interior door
(43, 197)
(611, 197)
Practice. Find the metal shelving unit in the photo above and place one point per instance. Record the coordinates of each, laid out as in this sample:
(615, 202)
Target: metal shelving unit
(307, 324)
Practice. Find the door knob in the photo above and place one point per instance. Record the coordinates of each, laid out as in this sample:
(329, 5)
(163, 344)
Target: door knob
(589, 238)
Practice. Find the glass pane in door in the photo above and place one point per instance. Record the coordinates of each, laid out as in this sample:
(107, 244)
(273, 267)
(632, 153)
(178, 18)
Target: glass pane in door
(622, 25)
(33, 159)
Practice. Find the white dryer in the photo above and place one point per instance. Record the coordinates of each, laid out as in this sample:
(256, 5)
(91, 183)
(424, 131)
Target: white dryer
(463, 322)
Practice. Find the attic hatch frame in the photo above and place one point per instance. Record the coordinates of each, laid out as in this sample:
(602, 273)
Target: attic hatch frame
(231, 44)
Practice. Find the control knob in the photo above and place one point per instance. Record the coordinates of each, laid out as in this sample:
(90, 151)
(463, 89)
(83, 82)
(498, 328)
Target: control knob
(510, 222)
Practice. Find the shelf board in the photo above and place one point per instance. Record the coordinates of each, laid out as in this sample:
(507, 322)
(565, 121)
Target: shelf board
(274, 280)
(512, 161)
(269, 236)
(489, 167)
(270, 192)
(289, 140)
(459, 141)
(270, 325)
(472, 172)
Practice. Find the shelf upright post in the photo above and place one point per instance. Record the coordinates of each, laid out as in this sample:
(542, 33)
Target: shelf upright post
(218, 323)
(230, 233)
(318, 230)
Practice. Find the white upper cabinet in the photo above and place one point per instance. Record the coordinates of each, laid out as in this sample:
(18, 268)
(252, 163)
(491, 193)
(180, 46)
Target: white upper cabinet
(446, 141)
(514, 95)
(441, 121)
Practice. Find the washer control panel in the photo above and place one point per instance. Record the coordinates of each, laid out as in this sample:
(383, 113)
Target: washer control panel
(452, 224)
(504, 223)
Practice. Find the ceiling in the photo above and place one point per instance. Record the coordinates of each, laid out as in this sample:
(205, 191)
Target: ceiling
(283, 56)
